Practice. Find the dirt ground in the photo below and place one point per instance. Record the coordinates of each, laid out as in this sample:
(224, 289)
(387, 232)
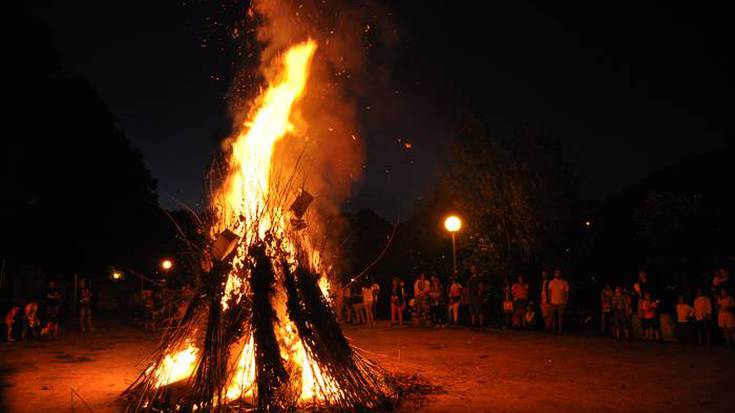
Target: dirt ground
(478, 370)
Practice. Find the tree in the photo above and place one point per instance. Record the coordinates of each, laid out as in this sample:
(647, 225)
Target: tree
(76, 196)
(515, 197)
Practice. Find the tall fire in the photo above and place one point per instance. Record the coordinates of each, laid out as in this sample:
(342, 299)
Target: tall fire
(261, 334)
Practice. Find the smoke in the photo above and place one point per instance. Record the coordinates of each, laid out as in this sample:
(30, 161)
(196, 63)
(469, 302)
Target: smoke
(325, 152)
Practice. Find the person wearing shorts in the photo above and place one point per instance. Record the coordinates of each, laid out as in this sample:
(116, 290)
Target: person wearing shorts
(559, 291)
(455, 299)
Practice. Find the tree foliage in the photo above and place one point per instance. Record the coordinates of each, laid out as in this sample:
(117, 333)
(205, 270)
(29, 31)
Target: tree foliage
(515, 197)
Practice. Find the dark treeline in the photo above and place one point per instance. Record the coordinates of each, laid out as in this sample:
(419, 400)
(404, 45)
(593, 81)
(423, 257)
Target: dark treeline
(521, 213)
(76, 197)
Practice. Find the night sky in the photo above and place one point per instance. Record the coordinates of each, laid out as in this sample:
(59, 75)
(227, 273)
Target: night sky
(627, 89)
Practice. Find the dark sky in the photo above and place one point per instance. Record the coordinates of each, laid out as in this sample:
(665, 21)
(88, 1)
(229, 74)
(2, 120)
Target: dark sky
(627, 89)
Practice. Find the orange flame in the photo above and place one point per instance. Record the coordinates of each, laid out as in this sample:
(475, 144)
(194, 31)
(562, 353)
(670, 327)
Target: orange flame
(240, 204)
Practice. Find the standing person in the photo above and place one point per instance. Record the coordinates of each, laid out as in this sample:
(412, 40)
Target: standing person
(85, 307)
(684, 314)
(30, 320)
(650, 317)
(519, 290)
(421, 297)
(347, 297)
(53, 309)
(149, 311)
(545, 303)
(397, 302)
(559, 297)
(339, 302)
(507, 306)
(605, 308)
(640, 287)
(358, 306)
(725, 317)
(437, 303)
(622, 311)
(369, 295)
(455, 299)
(476, 294)
(703, 317)
(10, 321)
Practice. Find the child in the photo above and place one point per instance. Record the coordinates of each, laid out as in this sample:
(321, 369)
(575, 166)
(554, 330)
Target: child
(650, 317)
(30, 320)
(455, 299)
(703, 317)
(684, 313)
(10, 321)
(53, 310)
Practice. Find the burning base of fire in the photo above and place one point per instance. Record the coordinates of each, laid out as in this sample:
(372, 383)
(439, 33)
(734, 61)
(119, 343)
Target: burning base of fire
(260, 334)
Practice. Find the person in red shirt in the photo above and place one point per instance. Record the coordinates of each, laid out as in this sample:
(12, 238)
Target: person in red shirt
(649, 309)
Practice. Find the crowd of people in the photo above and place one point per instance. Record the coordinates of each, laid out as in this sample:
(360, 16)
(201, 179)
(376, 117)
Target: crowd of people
(625, 313)
(32, 320)
(428, 301)
(40, 318)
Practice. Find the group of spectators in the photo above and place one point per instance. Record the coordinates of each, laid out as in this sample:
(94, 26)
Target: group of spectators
(623, 311)
(428, 301)
(31, 320)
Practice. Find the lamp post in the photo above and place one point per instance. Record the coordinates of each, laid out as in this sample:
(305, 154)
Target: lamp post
(453, 224)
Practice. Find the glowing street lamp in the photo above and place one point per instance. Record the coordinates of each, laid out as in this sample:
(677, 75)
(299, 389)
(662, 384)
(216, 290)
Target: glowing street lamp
(167, 264)
(116, 275)
(453, 224)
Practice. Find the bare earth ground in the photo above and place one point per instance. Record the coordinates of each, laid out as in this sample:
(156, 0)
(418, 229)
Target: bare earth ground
(479, 371)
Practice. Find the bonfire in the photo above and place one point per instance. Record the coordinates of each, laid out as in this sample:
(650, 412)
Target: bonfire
(261, 334)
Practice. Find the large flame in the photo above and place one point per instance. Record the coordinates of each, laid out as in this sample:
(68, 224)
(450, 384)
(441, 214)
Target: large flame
(240, 205)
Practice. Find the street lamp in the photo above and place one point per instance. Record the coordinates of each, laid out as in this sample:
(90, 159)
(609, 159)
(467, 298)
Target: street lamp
(167, 264)
(453, 224)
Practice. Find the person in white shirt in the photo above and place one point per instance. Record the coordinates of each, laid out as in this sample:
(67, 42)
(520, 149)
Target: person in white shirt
(369, 296)
(559, 296)
(703, 317)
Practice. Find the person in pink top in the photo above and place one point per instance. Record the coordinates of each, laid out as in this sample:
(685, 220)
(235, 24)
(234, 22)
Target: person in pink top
(519, 291)
(725, 318)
